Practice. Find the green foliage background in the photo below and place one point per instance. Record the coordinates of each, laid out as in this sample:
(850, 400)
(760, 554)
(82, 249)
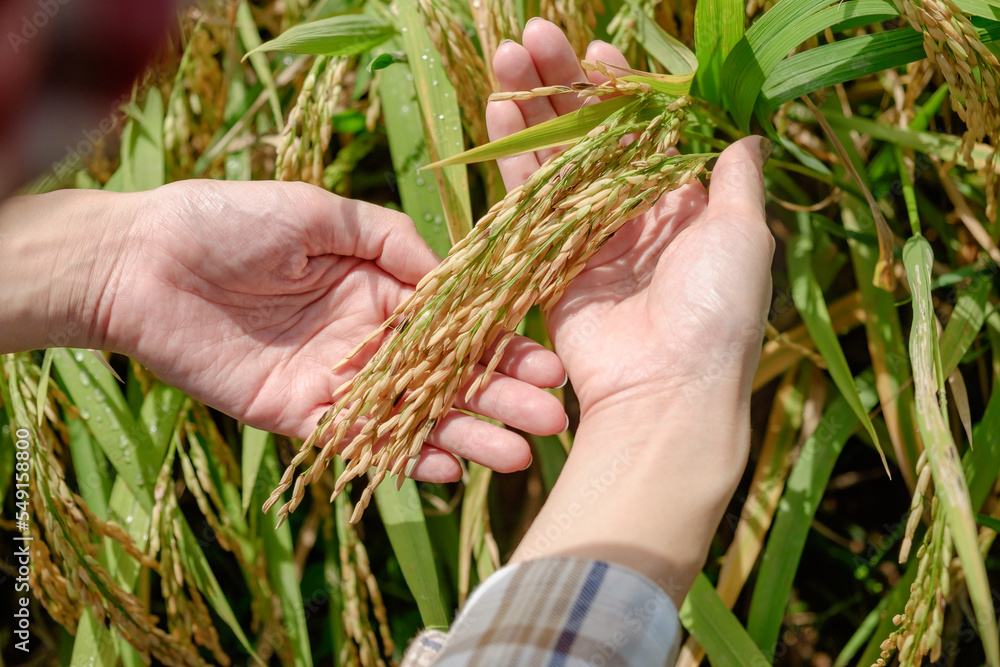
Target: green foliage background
(131, 467)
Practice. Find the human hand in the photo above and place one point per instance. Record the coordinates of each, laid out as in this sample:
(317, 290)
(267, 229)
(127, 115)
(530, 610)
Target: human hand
(244, 295)
(679, 291)
(660, 335)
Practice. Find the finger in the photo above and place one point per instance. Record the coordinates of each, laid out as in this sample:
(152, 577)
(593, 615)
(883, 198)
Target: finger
(436, 465)
(555, 61)
(517, 404)
(527, 361)
(606, 53)
(481, 442)
(503, 119)
(348, 227)
(736, 188)
(516, 70)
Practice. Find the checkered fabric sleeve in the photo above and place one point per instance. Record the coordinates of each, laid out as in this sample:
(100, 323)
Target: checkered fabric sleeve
(557, 612)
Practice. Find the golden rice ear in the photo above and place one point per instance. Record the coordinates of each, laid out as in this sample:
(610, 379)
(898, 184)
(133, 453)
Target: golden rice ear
(953, 46)
(523, 252)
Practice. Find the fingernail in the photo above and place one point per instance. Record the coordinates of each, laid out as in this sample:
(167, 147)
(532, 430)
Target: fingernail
(530, 459)
(565, 380)
(765, 150)
(566, 427)
(533, 18)
(596, 41)
(504, 42)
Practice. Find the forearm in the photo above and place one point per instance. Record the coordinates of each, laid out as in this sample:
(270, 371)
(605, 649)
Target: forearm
(633, 493)
(57, 257)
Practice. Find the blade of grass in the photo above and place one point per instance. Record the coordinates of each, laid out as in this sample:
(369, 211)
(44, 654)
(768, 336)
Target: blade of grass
(803, 492)
(43, 387)
(129, 447)
(883, 329)
(404, 523)
(664, 48)
(765, 490)
(949, 482)
(779, 355)
(945, 146)
(849, 59)
(252, 44)
(965, 323)
(809, 301)
(344, 35)
(718, 27)
(715, 627)
(475, 518)
(408, 148)
(442, 118)
(280, 555)
(773, 36)
(142, 161)
(555, 132)
(255, 445)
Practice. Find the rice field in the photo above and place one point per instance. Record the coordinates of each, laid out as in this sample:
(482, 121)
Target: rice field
(862, 532)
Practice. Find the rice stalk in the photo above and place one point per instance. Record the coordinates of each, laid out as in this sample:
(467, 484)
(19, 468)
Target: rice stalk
(361, 597)
(523, 252)
(921, 623)
(309, 128)
(613, 86)
(459, 58)
(495, 21)
(972, 71)
(624, 26)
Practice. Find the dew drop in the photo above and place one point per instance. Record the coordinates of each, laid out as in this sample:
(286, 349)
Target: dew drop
(84, 379)
(78, 355)
(440, 116)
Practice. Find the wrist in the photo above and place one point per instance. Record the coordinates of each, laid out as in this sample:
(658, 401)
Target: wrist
(61, 251)
(645, 486)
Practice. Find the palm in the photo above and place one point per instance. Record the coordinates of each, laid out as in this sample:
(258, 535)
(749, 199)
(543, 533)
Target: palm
(248, 294)
(657, 301)
(240, 311)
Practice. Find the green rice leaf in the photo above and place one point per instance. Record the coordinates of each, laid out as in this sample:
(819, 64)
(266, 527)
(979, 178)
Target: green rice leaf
(664, 48)
(966, 321)
(43, 386)
(251, 42)
(408, 149)
(403, 517)
(945, 146)
(718, 27)
(255, 445)
(707, 618)
(846, 60)
(555, 132)
(441, 115)
(809, 300)
(774, 35)
(281, 570)
(475, 518)
(792, 522)
(949, 483)
(345, 35)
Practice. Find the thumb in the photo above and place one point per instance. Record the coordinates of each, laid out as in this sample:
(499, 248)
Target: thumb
(736, 189)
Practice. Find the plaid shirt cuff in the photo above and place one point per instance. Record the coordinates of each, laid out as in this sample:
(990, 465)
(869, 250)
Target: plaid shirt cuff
(559, 612)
